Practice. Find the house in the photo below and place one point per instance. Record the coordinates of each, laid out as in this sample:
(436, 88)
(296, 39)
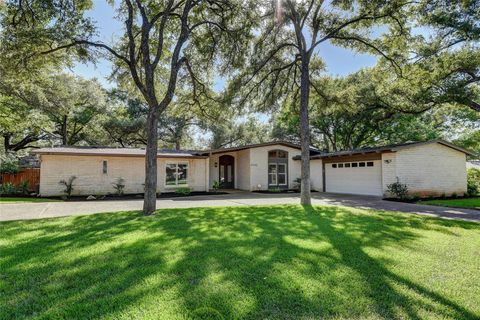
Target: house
(428, 168)
(473, 164)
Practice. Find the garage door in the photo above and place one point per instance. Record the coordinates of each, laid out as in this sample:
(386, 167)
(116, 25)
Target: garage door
(362, 177)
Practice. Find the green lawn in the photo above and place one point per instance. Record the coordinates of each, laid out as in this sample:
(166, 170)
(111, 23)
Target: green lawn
(472, 203)
(24, 200)
(276, 262)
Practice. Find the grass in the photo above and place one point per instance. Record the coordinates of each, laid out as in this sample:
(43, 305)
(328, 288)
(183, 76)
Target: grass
(25, 200)
(471, 203)
(272, 262)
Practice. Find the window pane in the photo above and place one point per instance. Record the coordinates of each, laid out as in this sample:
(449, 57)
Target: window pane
(170, 174)
(272, 154)
(334, 165)
(230, 173)
(347, 165)
(361, 164)
(182, 173)
(282, 154)
(282, 178)
(281, 168)
(272, 179)
(354, 164)
(369, 164)
(340, 165)
(272, 168)
(222, 174)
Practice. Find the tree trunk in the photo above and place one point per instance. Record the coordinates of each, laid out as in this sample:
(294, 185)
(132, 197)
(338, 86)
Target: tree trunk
(64, 131)
(305, 197)
(150, 197)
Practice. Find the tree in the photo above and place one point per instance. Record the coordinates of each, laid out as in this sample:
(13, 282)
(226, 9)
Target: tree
(162, 39)
(234, 132)
(286, 52)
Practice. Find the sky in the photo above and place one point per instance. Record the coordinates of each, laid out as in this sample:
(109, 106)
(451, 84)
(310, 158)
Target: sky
(339, 61)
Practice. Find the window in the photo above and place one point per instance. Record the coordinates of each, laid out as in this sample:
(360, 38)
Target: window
(105, 168)
(370, 164)
(361, 164)
(176, 174)
(334, 165)
(340, 165)
(277, 168)
(354, 164)
(347, 165)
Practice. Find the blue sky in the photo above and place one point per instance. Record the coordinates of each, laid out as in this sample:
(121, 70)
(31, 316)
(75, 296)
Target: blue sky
(339, 61)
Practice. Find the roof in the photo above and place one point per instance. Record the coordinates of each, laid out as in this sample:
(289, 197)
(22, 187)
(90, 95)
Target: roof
(257, 145)
(140, 152)
(387, 148)
(122, 152)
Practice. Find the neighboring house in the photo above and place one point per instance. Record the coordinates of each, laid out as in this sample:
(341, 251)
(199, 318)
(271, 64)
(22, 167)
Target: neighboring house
(475, 164)
(433, 168)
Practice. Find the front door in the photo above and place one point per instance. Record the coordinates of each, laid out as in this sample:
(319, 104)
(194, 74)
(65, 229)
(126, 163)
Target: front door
(226, 172)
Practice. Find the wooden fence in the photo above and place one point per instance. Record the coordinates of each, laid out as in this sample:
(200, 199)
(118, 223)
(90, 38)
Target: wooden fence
(32, 175)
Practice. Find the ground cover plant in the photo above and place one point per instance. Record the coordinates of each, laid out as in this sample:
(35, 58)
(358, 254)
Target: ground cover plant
(469, 203)
(270, 262)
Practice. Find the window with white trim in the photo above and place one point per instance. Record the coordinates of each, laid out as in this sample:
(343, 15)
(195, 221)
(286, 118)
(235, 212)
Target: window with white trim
(176, 173)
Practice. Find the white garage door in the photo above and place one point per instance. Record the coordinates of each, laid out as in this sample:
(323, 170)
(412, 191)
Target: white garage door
(362, 177)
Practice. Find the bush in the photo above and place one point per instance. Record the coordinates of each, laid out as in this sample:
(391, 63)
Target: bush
(184, 191)
(68, 185)
(119, 186)
(7, 188)
(22, 187)
(216, 185)
(9, 163)
(473, 182)
(398, 190)
(274, 190)
(297, 183)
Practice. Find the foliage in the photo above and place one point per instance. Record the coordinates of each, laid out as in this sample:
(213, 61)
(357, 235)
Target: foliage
(7, 188)
(473, 181)
(9, 163)
(469, 203)
(23, 187)
(119, 186)
(184, 191)
(275, 190)
(398, 189)
(24, 200)
(216, 185)
(297, 183)
(280, 261)
(68, 185)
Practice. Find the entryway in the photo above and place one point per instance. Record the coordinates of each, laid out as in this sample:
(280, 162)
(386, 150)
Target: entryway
(226, 173)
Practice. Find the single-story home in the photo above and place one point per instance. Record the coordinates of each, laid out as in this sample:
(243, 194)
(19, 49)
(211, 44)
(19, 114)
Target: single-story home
(473, 164)
(428, 168)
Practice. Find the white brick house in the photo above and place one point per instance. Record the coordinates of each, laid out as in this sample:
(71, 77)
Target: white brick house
(428, 168)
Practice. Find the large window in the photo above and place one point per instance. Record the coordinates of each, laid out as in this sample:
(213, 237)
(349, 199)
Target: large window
(176, 173)
(277, 168)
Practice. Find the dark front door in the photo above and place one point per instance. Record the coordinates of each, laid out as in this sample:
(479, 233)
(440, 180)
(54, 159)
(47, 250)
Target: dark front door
(226, 172)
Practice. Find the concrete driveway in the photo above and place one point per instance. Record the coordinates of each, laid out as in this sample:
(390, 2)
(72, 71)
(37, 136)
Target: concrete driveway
(26, 211)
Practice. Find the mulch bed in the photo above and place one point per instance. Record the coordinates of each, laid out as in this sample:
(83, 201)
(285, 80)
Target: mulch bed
(112, 197)
(280, 192)
(415, 200)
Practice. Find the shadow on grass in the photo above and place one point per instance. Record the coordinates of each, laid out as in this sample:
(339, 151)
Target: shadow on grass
(245, 262)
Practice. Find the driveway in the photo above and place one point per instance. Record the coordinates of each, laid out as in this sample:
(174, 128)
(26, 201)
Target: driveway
(26, 211)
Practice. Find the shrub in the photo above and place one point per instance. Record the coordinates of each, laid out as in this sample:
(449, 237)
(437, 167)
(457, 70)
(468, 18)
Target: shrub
(275, 190)
(473, 182)
(68, 185)
(22, 187)
(216, 185)
(119, 186)
(7, 188)
(297, 183)
(9, 163)
(184, 191)
(398, 190)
